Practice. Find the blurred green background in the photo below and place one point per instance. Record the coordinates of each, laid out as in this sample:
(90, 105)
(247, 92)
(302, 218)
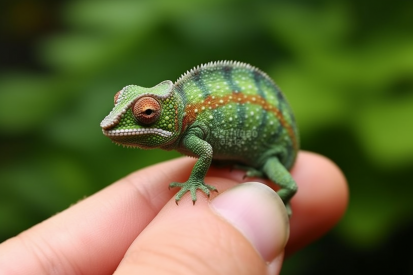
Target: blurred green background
(346, 67)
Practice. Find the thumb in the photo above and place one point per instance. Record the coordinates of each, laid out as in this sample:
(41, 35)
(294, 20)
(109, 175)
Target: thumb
(241, 231)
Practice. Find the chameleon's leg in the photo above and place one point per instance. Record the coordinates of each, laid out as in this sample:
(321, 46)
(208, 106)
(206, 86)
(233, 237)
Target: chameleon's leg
(278, 174)
(249, 171)
(202, 149)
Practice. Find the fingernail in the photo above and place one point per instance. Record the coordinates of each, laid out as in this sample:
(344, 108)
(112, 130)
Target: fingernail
(259, 214)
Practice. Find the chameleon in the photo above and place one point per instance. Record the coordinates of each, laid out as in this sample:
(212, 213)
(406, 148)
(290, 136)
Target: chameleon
(223, 112)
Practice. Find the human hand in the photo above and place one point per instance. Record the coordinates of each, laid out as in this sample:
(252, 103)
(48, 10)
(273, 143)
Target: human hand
(134, 225)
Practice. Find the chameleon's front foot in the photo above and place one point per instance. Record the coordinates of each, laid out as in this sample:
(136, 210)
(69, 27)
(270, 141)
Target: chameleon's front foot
(191, 186)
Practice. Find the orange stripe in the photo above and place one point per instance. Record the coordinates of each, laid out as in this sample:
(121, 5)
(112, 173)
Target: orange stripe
(213, 102)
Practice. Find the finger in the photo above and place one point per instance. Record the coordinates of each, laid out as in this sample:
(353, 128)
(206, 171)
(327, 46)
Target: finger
(320, 202)
(242, 231)
(92, 236)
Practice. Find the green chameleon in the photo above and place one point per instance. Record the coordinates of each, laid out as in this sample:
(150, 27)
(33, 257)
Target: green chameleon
(226, 112)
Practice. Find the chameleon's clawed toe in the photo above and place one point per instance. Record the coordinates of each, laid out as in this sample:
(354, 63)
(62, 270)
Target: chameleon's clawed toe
(191, 186)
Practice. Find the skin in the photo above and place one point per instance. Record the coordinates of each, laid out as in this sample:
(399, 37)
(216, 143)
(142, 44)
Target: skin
(136, 219)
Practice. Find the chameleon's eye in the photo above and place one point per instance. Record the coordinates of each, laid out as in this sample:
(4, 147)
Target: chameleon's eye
(146, 110)
(116, 97)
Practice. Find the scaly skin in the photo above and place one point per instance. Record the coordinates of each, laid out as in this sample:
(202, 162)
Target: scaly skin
(226, 112)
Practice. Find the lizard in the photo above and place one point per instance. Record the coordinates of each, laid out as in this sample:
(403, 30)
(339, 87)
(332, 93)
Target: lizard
(224, 112)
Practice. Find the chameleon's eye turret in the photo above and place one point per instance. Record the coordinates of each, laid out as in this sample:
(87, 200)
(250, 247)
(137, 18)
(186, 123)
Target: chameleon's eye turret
(146, 110)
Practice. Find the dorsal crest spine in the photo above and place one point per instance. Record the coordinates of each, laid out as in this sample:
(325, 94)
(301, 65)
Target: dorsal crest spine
(217, 65)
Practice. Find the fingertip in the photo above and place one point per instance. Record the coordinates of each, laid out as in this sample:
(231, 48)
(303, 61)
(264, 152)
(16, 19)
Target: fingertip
(321, 199)
(320, 176)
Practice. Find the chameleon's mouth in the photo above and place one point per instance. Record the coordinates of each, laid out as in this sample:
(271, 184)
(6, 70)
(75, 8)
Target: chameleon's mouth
(135, 132)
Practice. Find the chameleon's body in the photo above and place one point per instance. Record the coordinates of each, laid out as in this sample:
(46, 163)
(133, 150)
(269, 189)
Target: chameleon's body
(229, 112)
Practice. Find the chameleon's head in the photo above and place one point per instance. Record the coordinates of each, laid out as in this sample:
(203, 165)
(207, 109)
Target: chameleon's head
(144, 117)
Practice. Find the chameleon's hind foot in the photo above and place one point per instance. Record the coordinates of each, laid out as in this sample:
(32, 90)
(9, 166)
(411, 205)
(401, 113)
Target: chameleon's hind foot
(191, 186)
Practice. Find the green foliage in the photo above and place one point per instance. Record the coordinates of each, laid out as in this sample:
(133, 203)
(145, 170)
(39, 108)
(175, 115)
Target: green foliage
(345, 66)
